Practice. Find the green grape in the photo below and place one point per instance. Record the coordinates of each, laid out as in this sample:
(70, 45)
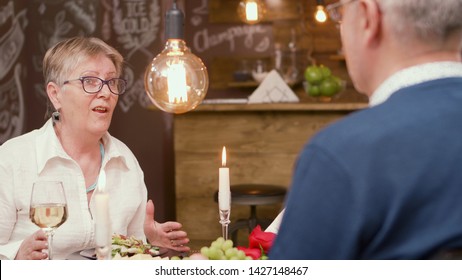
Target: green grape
(205, 251)
(240, 254)
(175, 258)
(227, 245)
(221, 249)
(219, 242)
(231, 252)
(214, 253)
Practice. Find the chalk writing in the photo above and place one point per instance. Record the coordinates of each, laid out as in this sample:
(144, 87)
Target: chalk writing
(137, 28)
(11, 107)
(204, 41)
(86, 19)
(12, 42)
(136, 24)
(11, 93)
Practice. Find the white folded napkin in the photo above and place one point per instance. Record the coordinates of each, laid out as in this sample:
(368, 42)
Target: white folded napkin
(273, 89)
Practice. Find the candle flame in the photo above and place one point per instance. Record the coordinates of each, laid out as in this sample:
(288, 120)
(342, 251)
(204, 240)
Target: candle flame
(223, 157)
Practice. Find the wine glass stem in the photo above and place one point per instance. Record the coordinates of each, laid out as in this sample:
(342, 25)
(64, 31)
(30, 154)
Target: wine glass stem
(49, 235)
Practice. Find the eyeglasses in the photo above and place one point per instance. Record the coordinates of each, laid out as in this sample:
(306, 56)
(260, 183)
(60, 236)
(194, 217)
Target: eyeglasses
(94, 84)
(336, 10)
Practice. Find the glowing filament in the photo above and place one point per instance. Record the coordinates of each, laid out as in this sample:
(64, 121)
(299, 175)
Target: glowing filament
(251, 11)
(320, 14)
(176, 82)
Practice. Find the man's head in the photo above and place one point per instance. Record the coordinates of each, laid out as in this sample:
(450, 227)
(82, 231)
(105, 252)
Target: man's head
(381, 37)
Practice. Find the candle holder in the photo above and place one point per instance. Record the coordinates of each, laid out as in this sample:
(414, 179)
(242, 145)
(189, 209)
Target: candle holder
(224, 221)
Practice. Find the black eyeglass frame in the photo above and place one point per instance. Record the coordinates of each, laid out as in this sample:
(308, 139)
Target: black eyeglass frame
(333, 10)
(103, 82)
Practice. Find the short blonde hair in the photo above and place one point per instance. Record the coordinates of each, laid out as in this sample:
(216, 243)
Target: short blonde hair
(63, 57)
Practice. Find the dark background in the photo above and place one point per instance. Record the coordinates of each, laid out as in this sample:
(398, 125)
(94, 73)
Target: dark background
(29, 27)
(136, 28)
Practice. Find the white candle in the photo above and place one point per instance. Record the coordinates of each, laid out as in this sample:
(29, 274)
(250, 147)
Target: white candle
(224, 193)
(102, 221)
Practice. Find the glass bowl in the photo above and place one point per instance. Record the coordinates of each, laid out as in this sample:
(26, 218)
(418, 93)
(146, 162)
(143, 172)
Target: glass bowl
(327, 93)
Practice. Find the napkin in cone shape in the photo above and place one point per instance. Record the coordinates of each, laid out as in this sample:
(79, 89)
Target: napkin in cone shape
(273, 89)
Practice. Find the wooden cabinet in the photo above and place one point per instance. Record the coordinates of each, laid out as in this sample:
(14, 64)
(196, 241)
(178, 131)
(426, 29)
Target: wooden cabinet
(262, 142)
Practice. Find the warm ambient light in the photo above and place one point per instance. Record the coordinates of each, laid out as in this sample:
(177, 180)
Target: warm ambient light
(223, 157)
(320, 14)
(176, 81)
(251, 11)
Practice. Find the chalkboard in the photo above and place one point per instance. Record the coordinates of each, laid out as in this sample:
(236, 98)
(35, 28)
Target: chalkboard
(207, 39)
(12, 69)
(132, 27)
(215, 41)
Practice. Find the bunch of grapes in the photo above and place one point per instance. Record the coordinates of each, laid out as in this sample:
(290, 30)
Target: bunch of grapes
(222, 249)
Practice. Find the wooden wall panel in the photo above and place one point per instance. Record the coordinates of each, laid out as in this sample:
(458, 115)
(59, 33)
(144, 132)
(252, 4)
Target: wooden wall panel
(262, 147)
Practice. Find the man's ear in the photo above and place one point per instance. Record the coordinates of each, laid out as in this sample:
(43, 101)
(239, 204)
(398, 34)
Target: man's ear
(53, 91)
(372, 21)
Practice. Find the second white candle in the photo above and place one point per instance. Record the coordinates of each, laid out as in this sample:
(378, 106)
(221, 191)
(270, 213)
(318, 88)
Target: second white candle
(224, 193)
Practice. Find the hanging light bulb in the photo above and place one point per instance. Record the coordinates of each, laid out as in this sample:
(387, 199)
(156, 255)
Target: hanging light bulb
(251, 11)
(176, 81)
(320, 14)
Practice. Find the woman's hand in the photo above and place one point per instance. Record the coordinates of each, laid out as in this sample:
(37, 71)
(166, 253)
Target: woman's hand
(166, 235)
(31, 248)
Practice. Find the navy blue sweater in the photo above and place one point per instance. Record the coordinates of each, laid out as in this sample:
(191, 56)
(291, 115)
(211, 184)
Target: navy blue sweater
(382, 183)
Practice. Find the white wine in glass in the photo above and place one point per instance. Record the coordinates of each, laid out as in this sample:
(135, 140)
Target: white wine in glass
(48, 208)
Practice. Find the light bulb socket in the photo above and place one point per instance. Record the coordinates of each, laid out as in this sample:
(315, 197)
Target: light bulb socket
(174, 23)
(320, 2)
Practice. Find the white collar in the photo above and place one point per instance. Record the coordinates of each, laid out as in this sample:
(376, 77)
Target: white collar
(414, 75)
(48, 147)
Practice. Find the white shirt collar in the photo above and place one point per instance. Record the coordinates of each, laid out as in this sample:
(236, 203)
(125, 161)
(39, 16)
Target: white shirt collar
(48, 147)
(414, 75)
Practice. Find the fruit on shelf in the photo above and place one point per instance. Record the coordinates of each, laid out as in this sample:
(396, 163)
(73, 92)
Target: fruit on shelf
(320, 82)
(313, 74)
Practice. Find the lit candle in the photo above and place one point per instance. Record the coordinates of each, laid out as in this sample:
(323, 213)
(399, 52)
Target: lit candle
(102, 221)
(224, 193)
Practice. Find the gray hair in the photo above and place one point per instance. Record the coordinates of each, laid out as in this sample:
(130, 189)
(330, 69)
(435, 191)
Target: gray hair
(61, 59)
(427, 20)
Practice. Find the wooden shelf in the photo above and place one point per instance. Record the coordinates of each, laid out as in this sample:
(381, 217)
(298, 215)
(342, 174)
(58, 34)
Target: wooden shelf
(254, 84)
(328, 106)
(247, 84)
(339, 57)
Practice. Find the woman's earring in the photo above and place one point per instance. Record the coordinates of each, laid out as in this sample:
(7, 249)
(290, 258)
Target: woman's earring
(55, 116)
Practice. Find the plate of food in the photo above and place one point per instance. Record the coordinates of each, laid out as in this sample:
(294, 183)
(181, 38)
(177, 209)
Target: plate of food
(127, 247)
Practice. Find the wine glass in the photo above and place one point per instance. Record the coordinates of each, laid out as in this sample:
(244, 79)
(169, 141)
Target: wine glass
(48, 208)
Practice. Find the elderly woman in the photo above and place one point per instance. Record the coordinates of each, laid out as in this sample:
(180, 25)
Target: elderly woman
(82, 78)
